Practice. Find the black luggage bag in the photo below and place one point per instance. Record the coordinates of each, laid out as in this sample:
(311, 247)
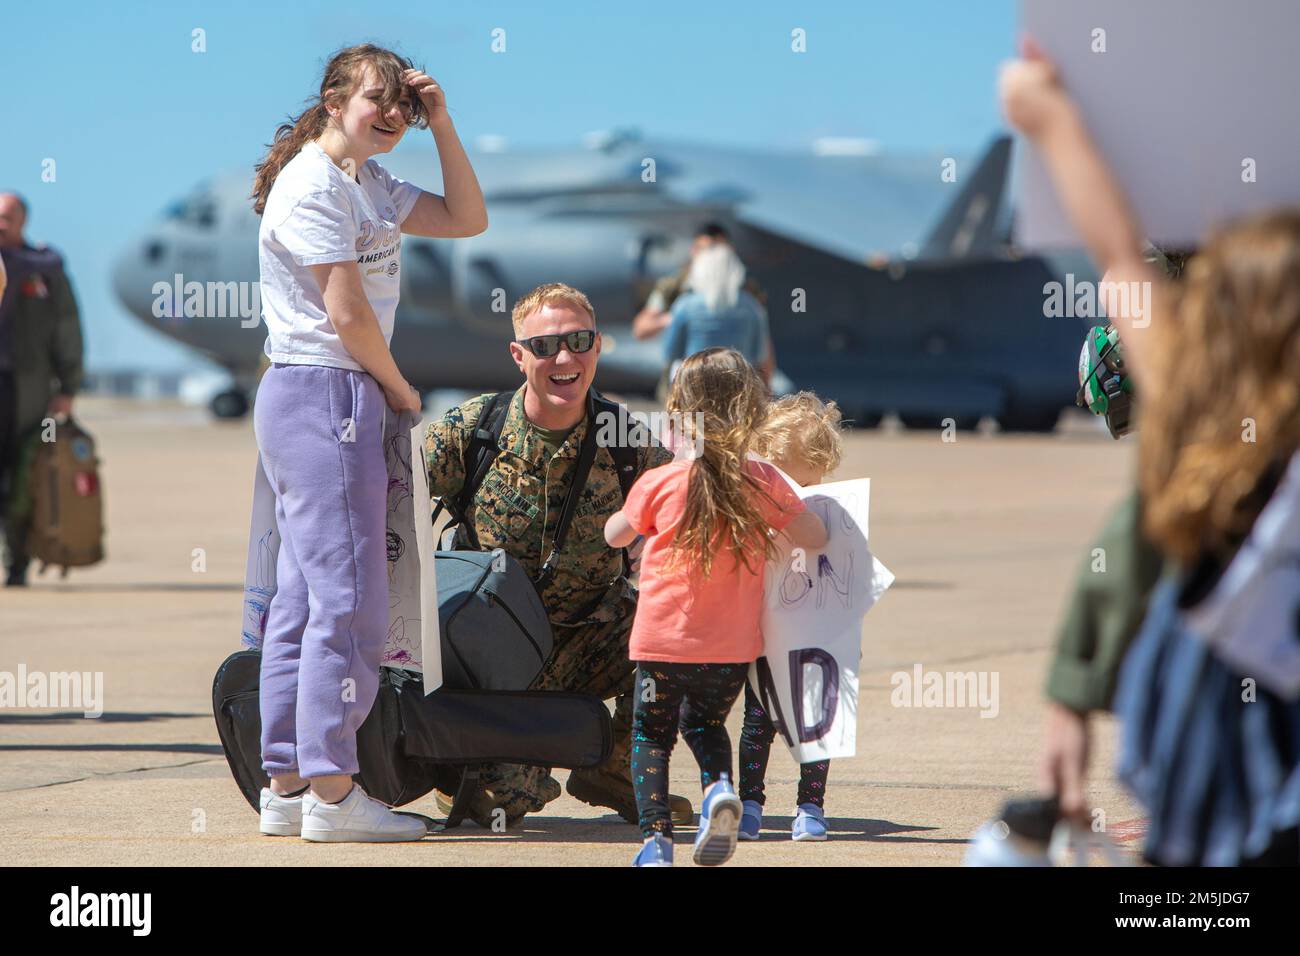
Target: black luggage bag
(494, 638)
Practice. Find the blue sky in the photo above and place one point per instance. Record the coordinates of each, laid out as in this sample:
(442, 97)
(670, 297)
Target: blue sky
(134, 118)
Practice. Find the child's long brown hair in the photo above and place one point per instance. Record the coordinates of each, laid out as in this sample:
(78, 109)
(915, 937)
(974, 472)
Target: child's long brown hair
(345, 70)
(717, 392)
(1228, 356)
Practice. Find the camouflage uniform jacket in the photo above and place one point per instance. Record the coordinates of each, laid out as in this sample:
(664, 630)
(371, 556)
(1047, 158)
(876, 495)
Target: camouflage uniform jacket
(517, 507)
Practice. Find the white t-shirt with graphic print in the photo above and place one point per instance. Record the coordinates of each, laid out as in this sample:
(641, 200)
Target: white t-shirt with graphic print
(315, 214)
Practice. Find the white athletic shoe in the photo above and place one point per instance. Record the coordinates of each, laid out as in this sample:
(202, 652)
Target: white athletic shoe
(281, 816)
(357, 818)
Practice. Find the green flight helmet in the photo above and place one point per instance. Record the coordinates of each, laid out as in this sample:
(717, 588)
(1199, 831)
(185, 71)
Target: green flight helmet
(1105, 387)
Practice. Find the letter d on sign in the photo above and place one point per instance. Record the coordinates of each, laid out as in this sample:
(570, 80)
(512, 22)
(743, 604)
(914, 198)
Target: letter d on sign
(830, 690)
(768, 698)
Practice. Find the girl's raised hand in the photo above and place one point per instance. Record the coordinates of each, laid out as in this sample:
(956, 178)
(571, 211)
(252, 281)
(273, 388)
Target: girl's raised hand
(430, 94)
(1030, 89)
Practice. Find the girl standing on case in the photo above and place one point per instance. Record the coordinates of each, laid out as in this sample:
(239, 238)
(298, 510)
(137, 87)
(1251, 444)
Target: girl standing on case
(329, 248)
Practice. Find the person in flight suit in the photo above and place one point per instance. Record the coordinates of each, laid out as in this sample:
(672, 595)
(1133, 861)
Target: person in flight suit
(40, 357)
(588, 599)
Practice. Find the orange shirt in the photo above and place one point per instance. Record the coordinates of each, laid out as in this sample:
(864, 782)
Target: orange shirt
(693, 619)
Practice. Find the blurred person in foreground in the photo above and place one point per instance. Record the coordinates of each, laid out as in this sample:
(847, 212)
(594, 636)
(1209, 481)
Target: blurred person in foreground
(1209, 692)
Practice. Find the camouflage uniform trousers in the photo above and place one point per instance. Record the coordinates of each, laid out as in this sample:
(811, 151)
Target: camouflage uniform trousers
(589, 659)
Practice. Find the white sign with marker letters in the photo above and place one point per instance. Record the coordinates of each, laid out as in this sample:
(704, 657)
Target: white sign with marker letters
(814, 603)
(1192, 102)
(412, 585)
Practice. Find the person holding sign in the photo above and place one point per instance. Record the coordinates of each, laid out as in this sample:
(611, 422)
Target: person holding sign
(329, 248)
(707, 519)
(1209, 693)
(801, 437)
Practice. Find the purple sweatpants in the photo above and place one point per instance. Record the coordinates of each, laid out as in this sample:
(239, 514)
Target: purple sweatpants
(328, 620)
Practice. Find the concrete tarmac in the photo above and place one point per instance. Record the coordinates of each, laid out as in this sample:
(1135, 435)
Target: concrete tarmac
(984, 534)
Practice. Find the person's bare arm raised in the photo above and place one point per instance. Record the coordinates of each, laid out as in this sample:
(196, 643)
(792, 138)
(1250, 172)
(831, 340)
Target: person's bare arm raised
(807, 531)
(1038, 106)
(461, 211)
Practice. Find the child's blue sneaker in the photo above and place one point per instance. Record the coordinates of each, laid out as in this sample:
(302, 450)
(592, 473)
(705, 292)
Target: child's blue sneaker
(719, 820)
(809, 823)
(751, 821)
(656, 851)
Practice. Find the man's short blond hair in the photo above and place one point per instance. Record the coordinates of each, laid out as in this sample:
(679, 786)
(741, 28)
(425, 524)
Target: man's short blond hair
(801, 427)
(549, 294)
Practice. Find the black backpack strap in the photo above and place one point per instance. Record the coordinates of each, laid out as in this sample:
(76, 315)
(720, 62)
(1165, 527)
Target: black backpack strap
(485, 443)
(479, 455)
(586, 455)
(624, 455)
(468, 788)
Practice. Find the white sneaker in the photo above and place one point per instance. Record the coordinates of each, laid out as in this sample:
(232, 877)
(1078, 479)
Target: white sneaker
(357, 818)
(281, 816)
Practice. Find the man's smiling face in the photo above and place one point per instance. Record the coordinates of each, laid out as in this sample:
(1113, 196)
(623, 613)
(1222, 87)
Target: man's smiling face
(558, 383)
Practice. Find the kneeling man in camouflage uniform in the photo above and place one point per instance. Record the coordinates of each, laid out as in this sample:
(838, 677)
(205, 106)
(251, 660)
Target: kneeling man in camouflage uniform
(589, 600)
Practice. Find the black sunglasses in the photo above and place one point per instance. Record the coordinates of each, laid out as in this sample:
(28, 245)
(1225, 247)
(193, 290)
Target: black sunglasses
(544, 346)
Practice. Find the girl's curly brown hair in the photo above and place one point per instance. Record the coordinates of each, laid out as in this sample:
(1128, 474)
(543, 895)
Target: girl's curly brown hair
(1226, 362)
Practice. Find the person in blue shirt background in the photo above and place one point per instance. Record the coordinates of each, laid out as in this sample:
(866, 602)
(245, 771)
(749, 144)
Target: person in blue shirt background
(716, 310)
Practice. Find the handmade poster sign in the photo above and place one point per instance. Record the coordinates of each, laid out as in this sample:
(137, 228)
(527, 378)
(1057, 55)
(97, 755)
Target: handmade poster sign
(412, 586)
(1189, 102)
(814, 604)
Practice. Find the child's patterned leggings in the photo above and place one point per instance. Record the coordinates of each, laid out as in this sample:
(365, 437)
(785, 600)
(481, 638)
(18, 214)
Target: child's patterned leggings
(702, 694)
(755, 745)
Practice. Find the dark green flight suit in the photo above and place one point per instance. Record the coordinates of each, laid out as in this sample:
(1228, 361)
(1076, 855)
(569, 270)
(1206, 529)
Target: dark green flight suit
(41, 350)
